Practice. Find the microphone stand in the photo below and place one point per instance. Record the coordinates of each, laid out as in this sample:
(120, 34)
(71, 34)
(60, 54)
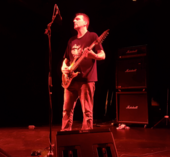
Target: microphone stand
(48, 33)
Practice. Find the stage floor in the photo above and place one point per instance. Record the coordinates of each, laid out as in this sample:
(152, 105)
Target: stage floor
(136, 141)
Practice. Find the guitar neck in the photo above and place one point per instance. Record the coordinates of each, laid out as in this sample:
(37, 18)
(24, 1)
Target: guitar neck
(76, 64)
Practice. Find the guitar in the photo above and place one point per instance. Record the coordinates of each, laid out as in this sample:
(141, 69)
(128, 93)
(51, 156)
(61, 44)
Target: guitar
(66, 79)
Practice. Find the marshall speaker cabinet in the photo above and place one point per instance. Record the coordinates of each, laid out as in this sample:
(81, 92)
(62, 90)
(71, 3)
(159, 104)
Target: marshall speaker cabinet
(92, 143)
(132, 107)
(131, 68)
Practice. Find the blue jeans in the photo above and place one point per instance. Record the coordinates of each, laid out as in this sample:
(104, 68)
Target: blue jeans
(85, 92)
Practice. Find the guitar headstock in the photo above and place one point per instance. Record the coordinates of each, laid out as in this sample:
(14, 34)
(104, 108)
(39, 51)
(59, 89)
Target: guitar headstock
(102, 37)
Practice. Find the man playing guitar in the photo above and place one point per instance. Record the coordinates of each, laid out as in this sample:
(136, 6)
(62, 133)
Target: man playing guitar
(83, 85)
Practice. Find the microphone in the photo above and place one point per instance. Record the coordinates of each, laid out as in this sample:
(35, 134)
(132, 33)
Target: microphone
(58, 11)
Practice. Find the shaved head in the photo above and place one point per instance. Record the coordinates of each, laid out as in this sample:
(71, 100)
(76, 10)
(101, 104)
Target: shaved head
(85, 17)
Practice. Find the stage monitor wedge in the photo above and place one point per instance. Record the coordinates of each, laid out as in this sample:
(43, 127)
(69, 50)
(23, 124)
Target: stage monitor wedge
(92, 143)
(4, 154)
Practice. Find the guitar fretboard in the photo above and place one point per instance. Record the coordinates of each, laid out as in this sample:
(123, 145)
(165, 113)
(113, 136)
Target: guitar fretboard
(75, 66)
(97, 41)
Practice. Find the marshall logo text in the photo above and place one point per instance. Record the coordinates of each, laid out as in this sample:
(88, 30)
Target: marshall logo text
(132, 107)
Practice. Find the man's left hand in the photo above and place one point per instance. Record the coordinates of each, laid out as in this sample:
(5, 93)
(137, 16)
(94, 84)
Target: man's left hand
(89, 53)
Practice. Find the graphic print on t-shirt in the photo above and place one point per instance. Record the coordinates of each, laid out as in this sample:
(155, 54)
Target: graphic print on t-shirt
(76, 50)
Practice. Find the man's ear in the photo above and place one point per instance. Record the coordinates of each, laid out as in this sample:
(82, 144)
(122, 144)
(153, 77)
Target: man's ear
(86, 23)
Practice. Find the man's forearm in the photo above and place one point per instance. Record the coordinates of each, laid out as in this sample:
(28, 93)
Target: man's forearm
(100, 55)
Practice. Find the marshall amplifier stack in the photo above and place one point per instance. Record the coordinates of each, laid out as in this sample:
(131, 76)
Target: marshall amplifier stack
(131, 85)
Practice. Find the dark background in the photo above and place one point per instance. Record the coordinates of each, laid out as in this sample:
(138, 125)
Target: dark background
(24, 54)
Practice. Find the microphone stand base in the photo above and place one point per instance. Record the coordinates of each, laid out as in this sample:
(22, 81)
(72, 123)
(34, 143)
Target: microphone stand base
(50, 154)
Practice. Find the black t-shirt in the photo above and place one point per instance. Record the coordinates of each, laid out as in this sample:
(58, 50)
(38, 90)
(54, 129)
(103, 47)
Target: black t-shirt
(88, 67)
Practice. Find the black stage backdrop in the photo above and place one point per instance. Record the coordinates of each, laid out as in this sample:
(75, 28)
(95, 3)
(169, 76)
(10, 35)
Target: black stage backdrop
(24, 53)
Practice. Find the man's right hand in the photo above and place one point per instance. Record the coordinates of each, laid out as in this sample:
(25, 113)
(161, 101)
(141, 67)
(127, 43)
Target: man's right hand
(65, 69)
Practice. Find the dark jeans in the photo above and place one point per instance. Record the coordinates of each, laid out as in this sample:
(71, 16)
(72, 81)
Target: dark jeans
(85, 92)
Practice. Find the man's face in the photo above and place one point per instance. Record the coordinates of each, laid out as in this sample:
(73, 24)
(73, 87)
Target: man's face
(79, 22)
